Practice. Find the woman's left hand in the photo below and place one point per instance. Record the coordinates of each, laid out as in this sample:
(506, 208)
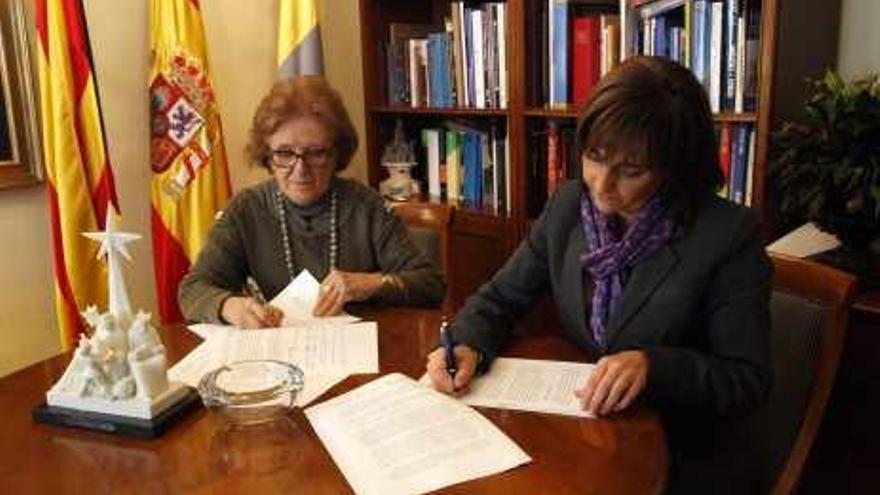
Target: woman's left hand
(342, 287)
(615, 383)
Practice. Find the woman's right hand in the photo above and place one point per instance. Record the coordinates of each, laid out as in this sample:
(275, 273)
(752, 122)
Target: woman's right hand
(247, 312)
(466, 360)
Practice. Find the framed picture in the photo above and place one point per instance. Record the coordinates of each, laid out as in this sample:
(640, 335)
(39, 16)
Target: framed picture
(20, 156)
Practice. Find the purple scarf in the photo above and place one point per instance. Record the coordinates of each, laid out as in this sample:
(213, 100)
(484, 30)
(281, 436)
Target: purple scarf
(608, 254)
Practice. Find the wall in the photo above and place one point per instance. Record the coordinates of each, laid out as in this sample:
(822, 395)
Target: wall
(241, 44)
(858, 52)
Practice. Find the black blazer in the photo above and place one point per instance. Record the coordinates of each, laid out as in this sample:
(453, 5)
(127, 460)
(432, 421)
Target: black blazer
(698, 307)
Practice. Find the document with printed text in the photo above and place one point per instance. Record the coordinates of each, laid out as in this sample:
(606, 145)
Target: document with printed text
(326, 353)
(393, 436)
(529, 385)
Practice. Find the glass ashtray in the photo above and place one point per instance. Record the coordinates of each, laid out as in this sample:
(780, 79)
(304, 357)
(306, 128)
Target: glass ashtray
(247, 392)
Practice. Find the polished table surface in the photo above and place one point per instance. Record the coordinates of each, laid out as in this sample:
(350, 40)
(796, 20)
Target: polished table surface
(623, 454)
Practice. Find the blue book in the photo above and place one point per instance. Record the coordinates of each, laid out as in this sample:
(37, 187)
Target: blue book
(470, 149)
(660, 37)
(699, 47)
(559, 56)
(433, 70)
(738, 153)
(446, 71)
(675, 44)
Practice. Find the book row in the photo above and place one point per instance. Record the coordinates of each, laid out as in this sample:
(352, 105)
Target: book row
(553, 159)
(572, 48)
(717, 39)
(461, 64)
(467, 164)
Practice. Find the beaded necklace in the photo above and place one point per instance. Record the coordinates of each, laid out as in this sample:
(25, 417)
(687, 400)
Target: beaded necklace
(285, 237)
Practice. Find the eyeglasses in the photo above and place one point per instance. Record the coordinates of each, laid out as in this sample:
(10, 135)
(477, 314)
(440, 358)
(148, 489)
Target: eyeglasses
(285, 159)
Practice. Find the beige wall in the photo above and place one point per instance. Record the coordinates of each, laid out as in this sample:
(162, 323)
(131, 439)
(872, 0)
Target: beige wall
(241, 44)
(859, 48)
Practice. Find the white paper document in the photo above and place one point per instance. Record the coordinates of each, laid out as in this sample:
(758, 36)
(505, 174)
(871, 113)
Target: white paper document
(529, 385)
(326, 353)
(298, 299)
(804, 241)
(393, 436)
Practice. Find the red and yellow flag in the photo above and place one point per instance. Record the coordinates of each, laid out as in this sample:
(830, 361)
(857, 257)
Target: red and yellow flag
(190, 177)
(79, 178)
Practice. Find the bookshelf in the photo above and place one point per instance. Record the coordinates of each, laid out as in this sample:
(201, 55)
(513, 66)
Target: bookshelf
(796, 40)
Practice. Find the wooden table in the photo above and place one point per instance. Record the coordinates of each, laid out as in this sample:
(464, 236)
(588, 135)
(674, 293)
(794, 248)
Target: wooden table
(624, 454)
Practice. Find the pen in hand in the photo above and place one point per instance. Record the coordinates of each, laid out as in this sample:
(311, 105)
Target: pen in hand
(253, 290)
(449, 350)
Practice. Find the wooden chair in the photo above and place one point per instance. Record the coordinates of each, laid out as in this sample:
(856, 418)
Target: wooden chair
(809, 312)
(428, 225)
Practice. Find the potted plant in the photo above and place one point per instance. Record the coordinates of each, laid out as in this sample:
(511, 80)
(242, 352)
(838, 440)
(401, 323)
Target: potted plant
(827, 167)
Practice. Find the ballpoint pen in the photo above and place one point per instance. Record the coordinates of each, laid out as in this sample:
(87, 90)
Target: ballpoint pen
(253, 290)
(449, 349)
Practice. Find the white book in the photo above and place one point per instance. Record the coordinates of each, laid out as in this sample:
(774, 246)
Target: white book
(740, 64)
(715, 62)
(414, 69)
(431, 139)
(479, 59)
(501, 34)
(465, 61)
(394, 436)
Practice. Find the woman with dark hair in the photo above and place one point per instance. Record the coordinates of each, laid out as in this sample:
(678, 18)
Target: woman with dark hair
(305, 217)
(664, 284)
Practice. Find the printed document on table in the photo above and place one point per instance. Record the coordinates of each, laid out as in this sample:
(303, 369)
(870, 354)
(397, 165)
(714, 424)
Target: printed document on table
(529, 385)
(297, 300)
(318, 349)
(393, 436)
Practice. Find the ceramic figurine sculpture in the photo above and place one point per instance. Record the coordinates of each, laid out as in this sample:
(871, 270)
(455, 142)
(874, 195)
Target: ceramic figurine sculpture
(398, 158)
(120, 369)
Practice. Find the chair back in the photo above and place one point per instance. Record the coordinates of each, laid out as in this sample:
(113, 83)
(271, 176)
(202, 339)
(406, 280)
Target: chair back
(809, 311)
(428, 226)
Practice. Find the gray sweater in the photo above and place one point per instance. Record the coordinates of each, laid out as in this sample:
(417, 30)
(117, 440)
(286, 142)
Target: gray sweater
(246, 241)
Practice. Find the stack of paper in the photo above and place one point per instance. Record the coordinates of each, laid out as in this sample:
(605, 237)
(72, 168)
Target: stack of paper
(327, 353)
(804, 241)
(393, 436)
(326, 349)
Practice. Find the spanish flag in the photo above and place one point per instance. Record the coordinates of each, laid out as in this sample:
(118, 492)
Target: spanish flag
(299, 39)
(79, 178)
(190, 178)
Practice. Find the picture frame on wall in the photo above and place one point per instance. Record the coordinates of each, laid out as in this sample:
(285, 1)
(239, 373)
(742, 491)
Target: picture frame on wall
(20, 155)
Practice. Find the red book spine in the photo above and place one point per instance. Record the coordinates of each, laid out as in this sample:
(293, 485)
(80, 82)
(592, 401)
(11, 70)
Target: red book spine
(724, 156)
(585, 55)
(552, 157)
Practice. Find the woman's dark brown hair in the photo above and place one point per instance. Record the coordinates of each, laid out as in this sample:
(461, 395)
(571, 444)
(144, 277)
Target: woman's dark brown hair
(654, 109)
(308, 96)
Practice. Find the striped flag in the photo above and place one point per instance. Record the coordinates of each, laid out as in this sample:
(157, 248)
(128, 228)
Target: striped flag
(190, 177)
(299, 39)
(79, 178)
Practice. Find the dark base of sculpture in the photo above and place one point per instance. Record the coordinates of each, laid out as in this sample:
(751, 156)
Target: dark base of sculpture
(123, 425)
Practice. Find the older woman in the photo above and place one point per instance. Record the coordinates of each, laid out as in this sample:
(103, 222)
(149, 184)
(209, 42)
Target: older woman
(305, 217)
(662, 282)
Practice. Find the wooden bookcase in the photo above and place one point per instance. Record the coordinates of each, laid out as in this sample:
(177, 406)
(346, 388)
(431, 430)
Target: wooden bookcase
(798, 39)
